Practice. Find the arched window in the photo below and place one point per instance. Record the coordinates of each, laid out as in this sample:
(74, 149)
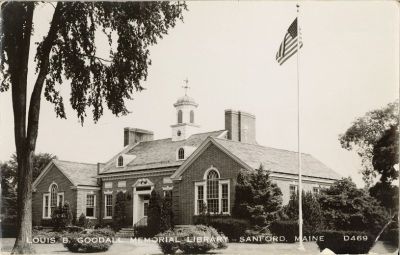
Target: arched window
(212, 191)
(180, 116)
(181, 153)
(53, 197)
(120, 161)
(191, 116)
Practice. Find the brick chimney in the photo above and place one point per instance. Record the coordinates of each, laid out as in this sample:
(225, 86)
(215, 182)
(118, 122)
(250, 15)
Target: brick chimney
(241, 126)
(135, 135)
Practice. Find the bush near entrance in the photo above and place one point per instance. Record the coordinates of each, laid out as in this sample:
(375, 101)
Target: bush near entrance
(185, 240)
(77, 241)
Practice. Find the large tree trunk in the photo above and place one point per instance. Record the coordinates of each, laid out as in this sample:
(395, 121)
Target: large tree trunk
(19, 19)
(17, 28)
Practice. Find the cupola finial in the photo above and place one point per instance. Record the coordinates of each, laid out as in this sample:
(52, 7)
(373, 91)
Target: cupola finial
(186, 87)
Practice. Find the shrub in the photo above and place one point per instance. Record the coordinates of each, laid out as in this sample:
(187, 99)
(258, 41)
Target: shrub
(231, 227)
(391, 235)
(166, 221)
(347, 208)
(168, 244)
(84, 222)
(120, 217)
(192, 246)
(61, 216)
(357, 243)
(312, 213)
(288, 229)
(154, 214)
(257, 199)
(76, 244)
(143, 231)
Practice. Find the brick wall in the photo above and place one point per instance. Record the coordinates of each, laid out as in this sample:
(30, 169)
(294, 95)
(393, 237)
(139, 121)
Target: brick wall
(64, 185)
(183, 192)
(158, 184)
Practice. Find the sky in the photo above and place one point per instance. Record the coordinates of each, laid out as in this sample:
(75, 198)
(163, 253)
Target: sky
(348, 66)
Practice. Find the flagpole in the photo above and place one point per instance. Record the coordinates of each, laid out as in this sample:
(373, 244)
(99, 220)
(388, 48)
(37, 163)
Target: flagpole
(300, 193)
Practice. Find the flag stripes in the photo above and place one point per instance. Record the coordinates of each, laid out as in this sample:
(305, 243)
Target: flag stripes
(288, 46)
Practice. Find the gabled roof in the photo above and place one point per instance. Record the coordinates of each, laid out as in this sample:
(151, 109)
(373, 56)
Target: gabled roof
(157, 153)
(77, 173)
(276, 160)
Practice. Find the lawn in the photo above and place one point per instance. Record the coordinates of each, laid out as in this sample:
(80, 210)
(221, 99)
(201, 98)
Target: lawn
(233, 248)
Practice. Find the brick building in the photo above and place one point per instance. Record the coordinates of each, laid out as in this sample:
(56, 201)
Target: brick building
(196, 168)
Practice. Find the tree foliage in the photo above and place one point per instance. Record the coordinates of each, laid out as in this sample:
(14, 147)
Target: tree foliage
(70, 52)
(312, 213)
(372, 136)
(8, 175)
(387, 195)
(258, 199)
(350, 209)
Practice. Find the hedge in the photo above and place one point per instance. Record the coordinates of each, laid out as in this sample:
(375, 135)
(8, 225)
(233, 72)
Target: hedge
(288, 229)
(346, 242)
(231, 227)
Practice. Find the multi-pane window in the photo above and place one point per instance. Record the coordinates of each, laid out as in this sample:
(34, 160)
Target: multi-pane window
(316, 190)
(225, 197)
(212, 192)
(293, 189)
(200, 199)
(120, 161)
(181, 153)
(53, 197)
(108, 204)
(46, 206)
(60, 199)
(90, 205)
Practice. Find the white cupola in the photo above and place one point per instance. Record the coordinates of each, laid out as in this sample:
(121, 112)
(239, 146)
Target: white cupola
(185, 117)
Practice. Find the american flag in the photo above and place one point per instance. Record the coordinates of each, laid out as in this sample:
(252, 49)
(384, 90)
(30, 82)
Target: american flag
(289, 45)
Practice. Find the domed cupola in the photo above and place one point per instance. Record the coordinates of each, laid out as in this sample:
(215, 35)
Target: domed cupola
(185, 117)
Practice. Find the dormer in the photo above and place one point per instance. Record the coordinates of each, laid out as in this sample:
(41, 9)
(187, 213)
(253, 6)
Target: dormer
(183, 152)
(124, 159)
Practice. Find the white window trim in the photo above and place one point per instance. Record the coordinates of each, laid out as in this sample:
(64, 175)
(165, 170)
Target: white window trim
(105, 205)
(204, 184)
(221, 182)
(94, 206)
(48, 206)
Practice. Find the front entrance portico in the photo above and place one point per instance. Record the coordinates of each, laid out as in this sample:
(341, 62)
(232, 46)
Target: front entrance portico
(141, 195)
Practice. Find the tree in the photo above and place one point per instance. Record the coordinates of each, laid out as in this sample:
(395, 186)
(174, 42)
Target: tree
(8, 175)
(68, 53)
(312, 213)
(371, 136)
(120, 210)
(258, 199)
(347, 208)
(387, 195)
(154, 214)
(166, 219)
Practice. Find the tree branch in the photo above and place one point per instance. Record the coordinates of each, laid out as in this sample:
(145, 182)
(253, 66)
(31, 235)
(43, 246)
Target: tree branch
(95, 57)
(43, 60)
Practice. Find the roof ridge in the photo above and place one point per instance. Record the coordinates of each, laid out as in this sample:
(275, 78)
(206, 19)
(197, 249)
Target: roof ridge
(69, 161)
(262, 146)
(209, 132)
